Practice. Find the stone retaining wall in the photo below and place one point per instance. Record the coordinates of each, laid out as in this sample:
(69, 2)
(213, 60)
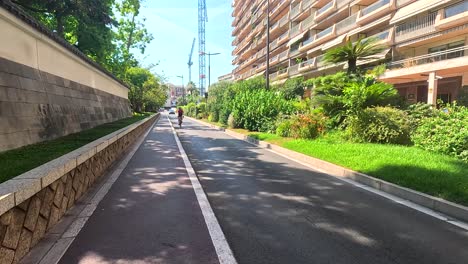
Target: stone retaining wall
(32, 203)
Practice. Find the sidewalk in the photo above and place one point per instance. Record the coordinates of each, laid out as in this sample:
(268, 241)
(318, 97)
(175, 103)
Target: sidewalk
(150, 215)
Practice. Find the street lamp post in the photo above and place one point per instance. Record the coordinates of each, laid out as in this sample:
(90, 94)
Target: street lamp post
(209, 67)
(268, 46)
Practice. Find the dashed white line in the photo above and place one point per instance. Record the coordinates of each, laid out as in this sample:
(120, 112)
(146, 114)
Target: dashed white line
(224, 252)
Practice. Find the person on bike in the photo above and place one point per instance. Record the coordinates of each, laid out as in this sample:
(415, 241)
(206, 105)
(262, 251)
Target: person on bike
(180, 115)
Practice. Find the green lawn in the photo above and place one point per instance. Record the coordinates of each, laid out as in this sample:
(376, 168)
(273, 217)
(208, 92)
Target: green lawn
(411, 167)
(17, 161)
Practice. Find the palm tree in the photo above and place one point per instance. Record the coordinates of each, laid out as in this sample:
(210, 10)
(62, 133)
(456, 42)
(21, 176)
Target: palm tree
(363, 49)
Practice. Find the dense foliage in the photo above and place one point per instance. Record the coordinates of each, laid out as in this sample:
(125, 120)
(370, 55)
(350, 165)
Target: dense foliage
(445, 132)
(380, 125)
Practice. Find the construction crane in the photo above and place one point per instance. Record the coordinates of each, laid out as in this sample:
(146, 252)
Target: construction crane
(190, 62)
(202, 19)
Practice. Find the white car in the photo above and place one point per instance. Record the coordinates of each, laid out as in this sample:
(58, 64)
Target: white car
(172, 111)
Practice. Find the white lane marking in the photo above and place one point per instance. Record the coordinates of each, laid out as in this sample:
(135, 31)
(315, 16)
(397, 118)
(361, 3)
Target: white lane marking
(396, 199)
(58, 250)
(224, 252)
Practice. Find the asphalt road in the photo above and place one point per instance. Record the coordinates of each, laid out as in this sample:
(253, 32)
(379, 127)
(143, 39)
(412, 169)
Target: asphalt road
(273, 210)
(150, 215)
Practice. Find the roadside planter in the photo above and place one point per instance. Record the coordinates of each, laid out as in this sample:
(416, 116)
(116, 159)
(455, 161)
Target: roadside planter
(35, 201)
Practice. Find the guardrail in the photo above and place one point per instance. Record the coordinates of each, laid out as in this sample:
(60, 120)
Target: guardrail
(430, 58)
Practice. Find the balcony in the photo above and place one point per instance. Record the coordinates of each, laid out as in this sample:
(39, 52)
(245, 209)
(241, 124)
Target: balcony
(441, 56)
(307, 44)
(416, 28)
(274, 44)
(283, 38)
(293, 70)
(274, 60)
(273, 76)
(283, 56)
(295, 30)
(326, 34)
(384, 37)
(283, 73)
(346, 24)
(279, 7)
(308, 22)
(452, 16)
(295, 11)
(325, 10)
(374, 11)
(307, 65)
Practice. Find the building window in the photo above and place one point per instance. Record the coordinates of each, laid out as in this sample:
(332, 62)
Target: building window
(444, 51)
(456, 9)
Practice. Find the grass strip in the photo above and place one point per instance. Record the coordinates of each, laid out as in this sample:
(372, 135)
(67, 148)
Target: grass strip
(17, 161)
(432, 173)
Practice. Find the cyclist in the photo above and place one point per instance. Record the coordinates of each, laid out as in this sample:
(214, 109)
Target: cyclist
(180, 116)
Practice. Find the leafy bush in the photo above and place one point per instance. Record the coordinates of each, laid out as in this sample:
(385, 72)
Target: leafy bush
(446, 132)
(202, 110)
(292, 88)
(380, 125)
(190, 110)
(253, 109)
(417, 112)
(213, 117)
(307, 126)
(283, 128)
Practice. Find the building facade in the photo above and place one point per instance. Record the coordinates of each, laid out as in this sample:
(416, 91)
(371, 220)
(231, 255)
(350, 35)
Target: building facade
(427, 55)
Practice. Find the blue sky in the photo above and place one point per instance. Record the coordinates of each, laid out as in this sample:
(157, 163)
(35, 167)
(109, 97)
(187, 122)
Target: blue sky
(174, 24)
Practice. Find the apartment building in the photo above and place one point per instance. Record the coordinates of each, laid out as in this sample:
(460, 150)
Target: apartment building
(427, 55)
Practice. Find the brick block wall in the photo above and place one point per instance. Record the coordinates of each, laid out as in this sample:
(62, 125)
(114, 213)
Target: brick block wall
(37, 106)
(22, 227)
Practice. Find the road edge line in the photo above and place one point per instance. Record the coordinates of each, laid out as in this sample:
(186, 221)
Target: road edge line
(461, 223)
(222, 248)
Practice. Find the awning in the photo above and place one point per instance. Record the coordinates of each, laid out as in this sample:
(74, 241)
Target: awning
(376, 57)
(315, 49)
(370, 25)
(296, 38)
(415, 8)
(334, 42)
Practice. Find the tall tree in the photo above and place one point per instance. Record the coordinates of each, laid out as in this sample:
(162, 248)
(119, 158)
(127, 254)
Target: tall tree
(363, 49)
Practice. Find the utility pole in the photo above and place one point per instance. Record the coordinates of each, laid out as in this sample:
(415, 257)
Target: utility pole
(268, 46)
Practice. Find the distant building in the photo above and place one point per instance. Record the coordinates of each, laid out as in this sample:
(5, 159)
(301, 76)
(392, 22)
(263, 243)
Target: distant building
(174, 93)
(226, 77)
(426, 59)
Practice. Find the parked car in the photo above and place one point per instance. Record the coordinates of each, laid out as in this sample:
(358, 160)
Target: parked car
(172, 111)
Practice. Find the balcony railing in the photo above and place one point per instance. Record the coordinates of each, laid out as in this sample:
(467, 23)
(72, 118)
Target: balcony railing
(381, 35)
(324, 8)
(375, 6)
(308, 41)
(293, 70)
(284, 36)
(283, 55)
(321, 61)
(324, 32)
(307, 63)
(308, 22)
(306, 4)
(295, 30)
(341, 3)
(295, 11)
(346, 24)
(277, 7)
(430, 58)
(274, 44)
(284, 20)
(274, 59)
(415, 28)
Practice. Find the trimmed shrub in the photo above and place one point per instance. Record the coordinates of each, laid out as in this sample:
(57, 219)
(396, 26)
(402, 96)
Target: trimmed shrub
(213, 117)
(446, 132)
(308, 126)
(380, 125)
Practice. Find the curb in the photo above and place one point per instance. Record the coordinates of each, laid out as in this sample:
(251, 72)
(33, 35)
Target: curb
(456, 211)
